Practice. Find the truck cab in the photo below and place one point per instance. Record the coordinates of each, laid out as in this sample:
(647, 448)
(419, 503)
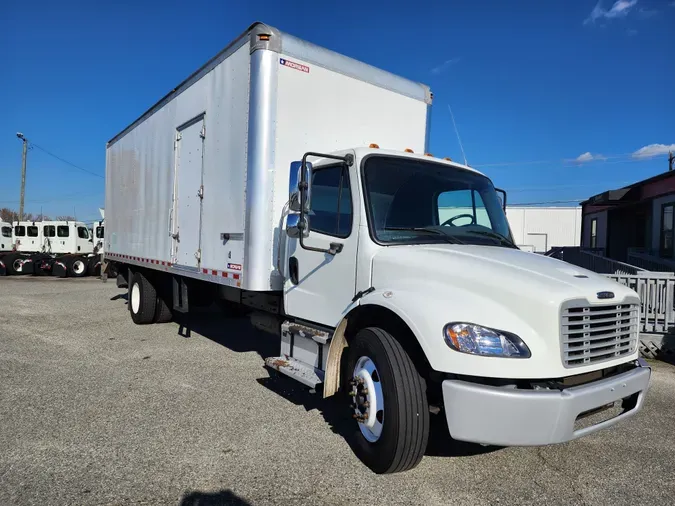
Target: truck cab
(411, 260)
(27, 236)
(98, 231)
(66, 237)
(6, 237)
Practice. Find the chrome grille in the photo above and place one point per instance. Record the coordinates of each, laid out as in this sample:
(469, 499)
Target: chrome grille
(592, 334)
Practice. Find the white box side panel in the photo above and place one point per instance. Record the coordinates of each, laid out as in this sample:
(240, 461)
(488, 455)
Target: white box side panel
(322, 110)
(140, 170)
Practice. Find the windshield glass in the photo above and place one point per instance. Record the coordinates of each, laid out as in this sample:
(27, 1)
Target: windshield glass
(414, 201)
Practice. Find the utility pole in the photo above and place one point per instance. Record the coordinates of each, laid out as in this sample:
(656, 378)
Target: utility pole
(23, 173)
(671, 160)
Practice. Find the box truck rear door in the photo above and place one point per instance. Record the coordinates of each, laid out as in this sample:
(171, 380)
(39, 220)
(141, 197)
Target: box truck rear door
(188, 194)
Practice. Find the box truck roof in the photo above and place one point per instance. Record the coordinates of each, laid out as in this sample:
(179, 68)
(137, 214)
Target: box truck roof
(262, 36)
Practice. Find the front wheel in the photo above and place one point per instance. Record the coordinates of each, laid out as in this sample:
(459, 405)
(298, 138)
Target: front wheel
(388, 403)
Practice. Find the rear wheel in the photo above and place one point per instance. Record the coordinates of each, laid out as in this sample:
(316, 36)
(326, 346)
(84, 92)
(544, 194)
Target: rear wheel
(13, 263)
(163, 311)
(77, 267)
(389, 403)
(142, 299)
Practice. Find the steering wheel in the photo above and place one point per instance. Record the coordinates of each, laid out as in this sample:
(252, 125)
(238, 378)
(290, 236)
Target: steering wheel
(450, 221)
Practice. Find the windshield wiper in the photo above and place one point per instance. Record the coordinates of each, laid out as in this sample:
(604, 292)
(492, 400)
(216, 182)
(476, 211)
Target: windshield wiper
(427, 230)
(495, 235)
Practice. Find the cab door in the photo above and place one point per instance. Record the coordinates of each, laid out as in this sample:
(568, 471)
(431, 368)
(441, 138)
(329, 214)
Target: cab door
(319, 286)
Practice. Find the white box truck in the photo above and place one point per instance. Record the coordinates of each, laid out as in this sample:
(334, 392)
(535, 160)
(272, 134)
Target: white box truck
(250, 183)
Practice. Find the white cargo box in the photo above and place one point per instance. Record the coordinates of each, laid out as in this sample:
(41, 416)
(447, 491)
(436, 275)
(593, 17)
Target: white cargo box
(197, 185)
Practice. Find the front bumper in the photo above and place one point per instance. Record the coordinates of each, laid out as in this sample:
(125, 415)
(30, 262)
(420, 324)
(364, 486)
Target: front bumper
(516, 417)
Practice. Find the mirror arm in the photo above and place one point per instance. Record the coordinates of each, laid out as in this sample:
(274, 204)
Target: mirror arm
(335, 248)
(503, 192)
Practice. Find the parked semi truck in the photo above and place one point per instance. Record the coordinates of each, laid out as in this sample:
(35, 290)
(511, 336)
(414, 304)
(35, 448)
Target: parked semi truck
(6, 238)
(249, 183)
(64, 248)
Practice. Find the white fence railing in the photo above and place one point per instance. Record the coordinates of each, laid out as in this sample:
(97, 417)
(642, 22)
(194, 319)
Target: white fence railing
(657, 299)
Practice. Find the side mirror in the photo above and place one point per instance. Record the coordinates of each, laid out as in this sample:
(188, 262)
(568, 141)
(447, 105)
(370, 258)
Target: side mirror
(293, 225)
(503, 199)
(294, 192)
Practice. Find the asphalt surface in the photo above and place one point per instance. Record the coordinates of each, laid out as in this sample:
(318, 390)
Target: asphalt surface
(96, 410)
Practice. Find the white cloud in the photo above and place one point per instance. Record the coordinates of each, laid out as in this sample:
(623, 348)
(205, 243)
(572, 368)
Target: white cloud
(444, 66)
(653, 150)
(589, 157)
(619, 9)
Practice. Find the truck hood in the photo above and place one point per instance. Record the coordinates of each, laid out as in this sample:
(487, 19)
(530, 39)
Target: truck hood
(501, 288)
(497, 271)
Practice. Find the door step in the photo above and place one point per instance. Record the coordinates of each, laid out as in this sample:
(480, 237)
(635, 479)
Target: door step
(295, 369)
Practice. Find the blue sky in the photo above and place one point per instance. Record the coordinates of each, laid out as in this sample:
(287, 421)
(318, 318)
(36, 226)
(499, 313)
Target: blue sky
(553, 99)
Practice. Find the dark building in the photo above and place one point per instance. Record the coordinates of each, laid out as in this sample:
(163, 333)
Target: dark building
(635, 219)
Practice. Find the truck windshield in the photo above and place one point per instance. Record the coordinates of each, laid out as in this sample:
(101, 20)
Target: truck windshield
(417, 201)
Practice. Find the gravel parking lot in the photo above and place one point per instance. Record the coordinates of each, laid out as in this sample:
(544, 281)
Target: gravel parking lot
(96, 410)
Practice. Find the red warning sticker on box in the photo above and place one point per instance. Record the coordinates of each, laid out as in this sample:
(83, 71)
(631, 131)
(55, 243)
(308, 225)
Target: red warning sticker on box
(293, 65)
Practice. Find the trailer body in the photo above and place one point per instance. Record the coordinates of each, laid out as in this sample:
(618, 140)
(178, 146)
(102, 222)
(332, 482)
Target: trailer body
(200, 181)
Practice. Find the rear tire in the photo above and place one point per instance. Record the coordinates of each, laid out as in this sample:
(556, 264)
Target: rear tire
(163, 313)
(396, 441)
(142, 299)
(77, 267)
(13, 263)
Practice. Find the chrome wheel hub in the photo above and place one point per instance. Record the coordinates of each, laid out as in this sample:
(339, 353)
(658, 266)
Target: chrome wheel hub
(367, 399)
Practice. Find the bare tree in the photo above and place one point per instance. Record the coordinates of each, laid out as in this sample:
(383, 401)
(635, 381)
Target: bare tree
(65, 218)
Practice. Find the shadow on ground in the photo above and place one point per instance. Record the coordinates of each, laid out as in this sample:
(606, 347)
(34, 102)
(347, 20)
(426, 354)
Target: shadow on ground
(224, 497)
(238, 335)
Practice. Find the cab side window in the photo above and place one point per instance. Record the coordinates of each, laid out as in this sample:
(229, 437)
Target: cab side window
(331, 202)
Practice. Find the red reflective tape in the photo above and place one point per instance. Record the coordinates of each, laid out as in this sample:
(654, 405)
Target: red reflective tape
(223, 274)
(235, 276)
(214, 272)
(205, 271)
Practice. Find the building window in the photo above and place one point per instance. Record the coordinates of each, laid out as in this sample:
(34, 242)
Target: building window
(594, 233)
(666, 248)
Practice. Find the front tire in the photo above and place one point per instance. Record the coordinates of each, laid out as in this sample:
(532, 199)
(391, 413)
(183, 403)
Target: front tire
(389, 403)
(142, 299)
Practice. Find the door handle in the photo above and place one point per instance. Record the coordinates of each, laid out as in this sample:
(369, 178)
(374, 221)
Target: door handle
(293, 270)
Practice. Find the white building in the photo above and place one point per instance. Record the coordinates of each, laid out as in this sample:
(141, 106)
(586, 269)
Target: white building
(536, 229)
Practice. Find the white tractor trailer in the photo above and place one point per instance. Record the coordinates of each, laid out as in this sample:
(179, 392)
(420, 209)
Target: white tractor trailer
(63, 248)
(249, 183)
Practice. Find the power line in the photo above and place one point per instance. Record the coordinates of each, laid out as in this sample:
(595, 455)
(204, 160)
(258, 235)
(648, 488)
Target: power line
(63, 197)
(66, 161)
(567, 162)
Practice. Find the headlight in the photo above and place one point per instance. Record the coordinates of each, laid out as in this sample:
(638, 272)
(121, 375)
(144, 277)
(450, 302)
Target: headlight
(477, 340)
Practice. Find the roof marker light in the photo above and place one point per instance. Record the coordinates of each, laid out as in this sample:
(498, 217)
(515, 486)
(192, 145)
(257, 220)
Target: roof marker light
(428, 154)
(447, 158)
(374, 146)
(408, 150)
